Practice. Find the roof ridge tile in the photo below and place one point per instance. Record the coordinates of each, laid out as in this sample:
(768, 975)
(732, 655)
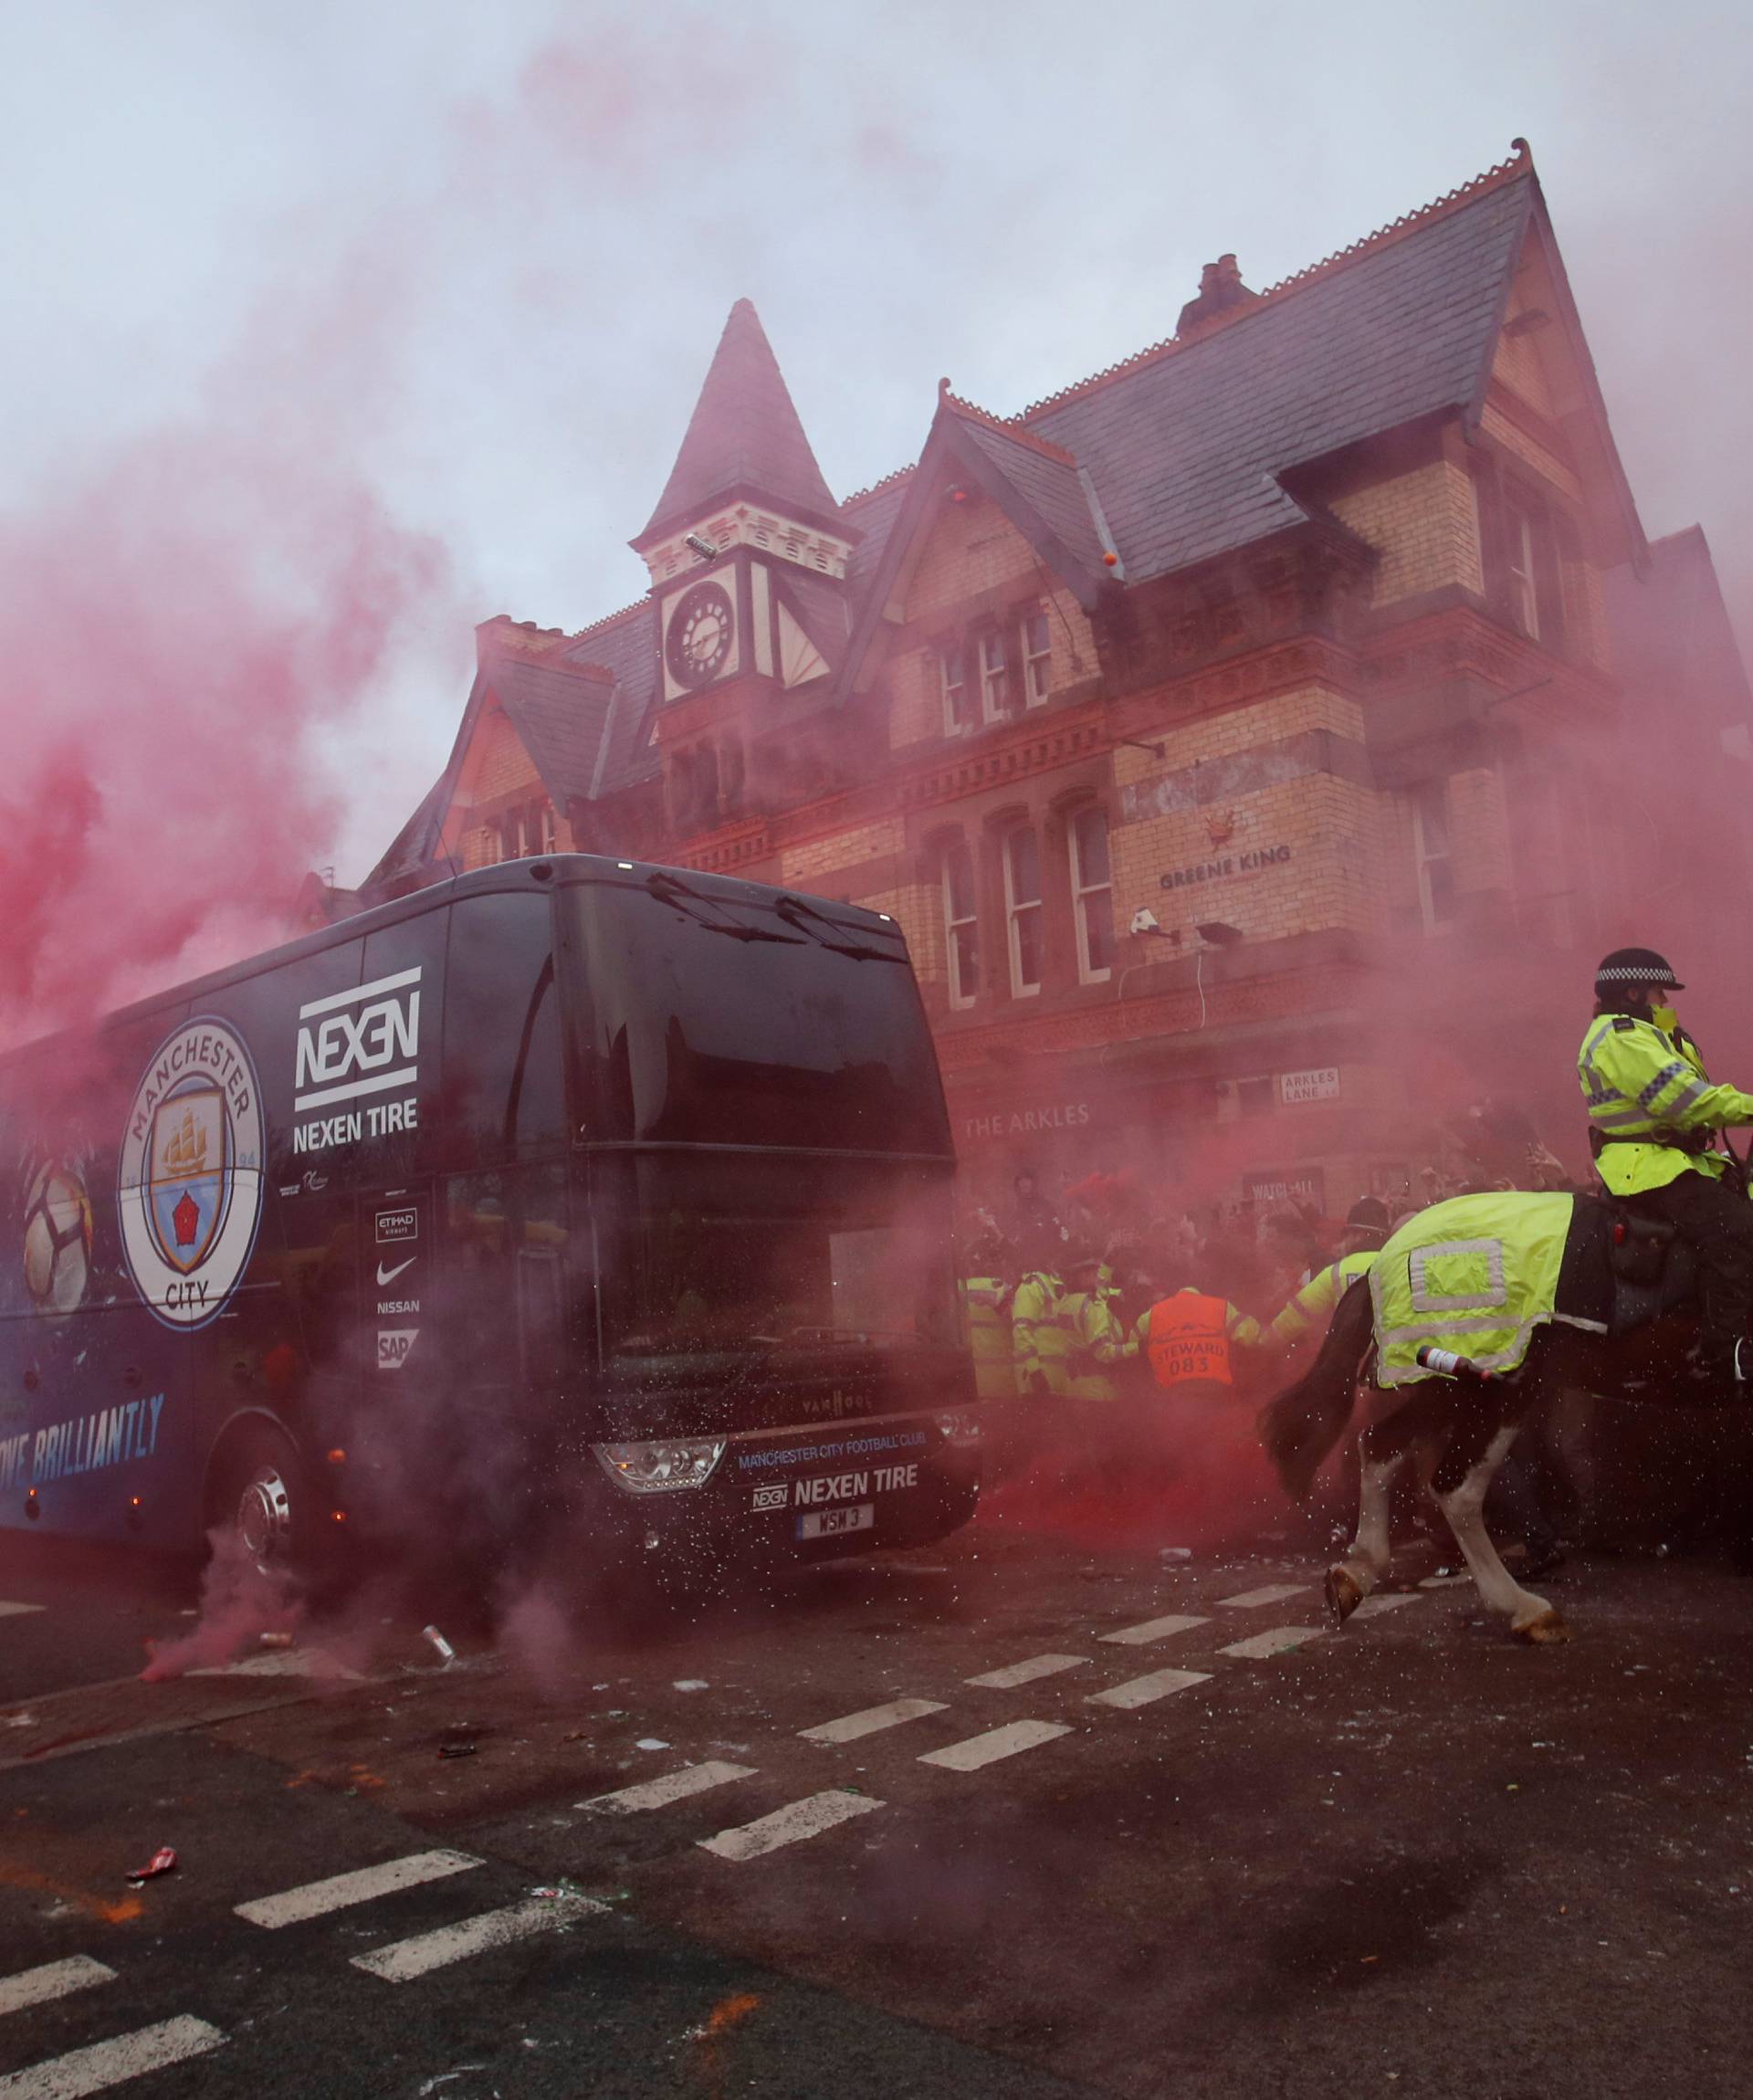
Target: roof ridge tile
(1520, 162)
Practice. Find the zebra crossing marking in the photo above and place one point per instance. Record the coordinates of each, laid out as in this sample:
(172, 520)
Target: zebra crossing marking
(1026, 1671)
(974, 1751)
(1142, 1691)
(1274, 1593)
(849, 1727)
(676, 1786)
(340, 1891)
(53, 1980)
(101, 2064)
(1262, 1647)
(1148, 1630)
(790, 1825)
(402, 1960)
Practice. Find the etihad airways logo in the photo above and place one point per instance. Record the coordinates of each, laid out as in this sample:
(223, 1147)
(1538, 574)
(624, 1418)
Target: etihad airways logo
(352, 1045)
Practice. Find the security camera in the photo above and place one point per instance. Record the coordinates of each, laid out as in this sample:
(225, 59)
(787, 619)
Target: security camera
(703, 548)
(1144, 920)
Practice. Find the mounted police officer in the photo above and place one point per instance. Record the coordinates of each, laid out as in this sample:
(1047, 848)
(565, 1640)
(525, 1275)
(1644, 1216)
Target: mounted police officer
(1653, 1114)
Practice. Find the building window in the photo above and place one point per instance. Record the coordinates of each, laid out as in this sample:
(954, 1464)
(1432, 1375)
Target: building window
(995, 677)
(1023, 911)
(960, 923)
(1092, 895)
(1431, 852)
(1037, 659)
(952, 675)
(1524, 581)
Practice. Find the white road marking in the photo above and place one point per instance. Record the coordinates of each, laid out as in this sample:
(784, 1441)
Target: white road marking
(18, 1610)
(798, 1820)
(1274, 1643)
(317, 1899)
(1141, 1691)
(1388, 1600)
(105, 2063)
(1444, 1582)
(1274, 1593)
(54, 1979)
(1005, 1742)
(673, 1787)
(1025, 1672)
(1152, 1630)
(405, 1960)
(850, 1726)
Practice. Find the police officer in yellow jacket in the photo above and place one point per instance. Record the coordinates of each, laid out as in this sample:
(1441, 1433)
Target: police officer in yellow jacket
(1088, 1313)
(1653, 1113)
(1040, 1346)
(986, 1308)
(1310, 1310)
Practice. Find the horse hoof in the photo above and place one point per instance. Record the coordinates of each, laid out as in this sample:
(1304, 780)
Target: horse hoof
(1546, 1632)
(1343, 1596)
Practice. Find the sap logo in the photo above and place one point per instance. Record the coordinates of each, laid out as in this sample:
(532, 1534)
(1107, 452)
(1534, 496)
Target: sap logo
(362, 1042)
(395, 1346)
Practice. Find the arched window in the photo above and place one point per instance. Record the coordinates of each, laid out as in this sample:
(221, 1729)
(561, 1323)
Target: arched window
(1092, 893)
(960, 921)
(1022, 855)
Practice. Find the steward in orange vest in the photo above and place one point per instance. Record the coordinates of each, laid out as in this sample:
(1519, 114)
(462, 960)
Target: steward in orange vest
(1191, 1337)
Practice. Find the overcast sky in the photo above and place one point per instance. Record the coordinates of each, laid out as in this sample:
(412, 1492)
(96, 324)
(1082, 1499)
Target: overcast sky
(481, 254)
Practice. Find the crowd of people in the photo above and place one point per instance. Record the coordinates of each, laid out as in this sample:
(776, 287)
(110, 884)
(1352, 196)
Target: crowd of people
(1091, 1293)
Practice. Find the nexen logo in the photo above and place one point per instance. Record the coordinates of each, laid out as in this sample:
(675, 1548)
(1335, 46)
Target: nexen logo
(344, 1055)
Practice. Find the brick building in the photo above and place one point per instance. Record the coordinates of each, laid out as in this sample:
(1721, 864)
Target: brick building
(1291, 631)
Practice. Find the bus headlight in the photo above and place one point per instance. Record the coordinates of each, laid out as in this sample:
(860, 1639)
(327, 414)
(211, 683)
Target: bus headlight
(662, 1467)
(961, 1429)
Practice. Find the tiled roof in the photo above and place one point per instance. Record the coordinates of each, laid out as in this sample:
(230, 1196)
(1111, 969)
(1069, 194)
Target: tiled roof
(559, 717)
(1048, 479)
(1186, 449)
(744, 435)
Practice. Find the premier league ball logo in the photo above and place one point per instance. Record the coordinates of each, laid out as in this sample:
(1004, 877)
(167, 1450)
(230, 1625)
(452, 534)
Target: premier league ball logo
(58, 1239)
(191, 1186)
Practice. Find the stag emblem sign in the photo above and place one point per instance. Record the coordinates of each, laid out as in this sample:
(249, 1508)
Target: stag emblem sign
(191, 1187)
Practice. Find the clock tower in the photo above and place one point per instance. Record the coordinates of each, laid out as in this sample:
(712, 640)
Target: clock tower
(748, 552)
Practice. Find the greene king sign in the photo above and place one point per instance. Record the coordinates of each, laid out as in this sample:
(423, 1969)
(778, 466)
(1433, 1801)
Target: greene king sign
(353, 1046)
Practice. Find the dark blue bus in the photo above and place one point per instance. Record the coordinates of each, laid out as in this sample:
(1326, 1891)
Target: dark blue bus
(568, 1191)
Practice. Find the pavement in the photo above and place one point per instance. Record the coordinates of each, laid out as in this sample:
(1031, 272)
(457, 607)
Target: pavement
(1028, 1814)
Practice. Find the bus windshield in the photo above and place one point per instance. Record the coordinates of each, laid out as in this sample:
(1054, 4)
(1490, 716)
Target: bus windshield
(706, 1252)
(717, 1015)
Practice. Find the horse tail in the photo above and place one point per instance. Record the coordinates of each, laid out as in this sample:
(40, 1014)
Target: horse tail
(1300, 1425)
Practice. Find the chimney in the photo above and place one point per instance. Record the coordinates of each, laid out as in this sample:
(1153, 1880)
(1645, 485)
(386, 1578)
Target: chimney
(1221, 292)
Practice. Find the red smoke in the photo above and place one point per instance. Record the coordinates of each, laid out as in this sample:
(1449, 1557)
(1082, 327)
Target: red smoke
(175, 631)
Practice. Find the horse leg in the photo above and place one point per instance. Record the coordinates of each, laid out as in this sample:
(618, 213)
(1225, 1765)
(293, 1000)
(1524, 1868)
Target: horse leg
(1531, 1618)
(1351, 1580)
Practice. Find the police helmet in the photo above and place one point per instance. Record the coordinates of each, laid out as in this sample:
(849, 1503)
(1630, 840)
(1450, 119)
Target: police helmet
(1368, 1214)
(1634, 971)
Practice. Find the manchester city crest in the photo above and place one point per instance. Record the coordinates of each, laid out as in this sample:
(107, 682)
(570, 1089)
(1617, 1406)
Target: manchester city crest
(190, 1183)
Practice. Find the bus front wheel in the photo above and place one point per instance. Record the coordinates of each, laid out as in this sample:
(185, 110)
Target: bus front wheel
(259, 1506)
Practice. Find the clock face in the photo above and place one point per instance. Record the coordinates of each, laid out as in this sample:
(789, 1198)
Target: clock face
(701, 628)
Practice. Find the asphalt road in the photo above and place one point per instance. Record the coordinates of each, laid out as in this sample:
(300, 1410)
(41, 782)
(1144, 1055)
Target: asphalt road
(1181, 1842)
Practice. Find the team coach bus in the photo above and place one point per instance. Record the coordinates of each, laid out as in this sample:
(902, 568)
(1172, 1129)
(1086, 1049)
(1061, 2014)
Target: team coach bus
(569, 1190)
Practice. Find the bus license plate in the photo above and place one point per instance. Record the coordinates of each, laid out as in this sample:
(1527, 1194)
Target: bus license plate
(830, 1523)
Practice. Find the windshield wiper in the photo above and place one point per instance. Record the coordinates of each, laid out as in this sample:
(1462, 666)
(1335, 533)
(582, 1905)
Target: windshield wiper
(668, 890)
(860, 951)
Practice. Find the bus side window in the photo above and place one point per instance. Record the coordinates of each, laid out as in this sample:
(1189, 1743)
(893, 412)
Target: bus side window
(504, 1090)
(505, 1270)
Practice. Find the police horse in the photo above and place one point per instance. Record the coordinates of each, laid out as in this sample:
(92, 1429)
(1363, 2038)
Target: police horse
(1613, 1317)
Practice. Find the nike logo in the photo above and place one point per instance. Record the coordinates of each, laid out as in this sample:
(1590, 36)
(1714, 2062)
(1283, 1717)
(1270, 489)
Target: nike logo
(389, 1276)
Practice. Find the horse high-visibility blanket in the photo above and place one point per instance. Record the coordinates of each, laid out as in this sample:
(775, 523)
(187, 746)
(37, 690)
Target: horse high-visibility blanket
(1476, 1275)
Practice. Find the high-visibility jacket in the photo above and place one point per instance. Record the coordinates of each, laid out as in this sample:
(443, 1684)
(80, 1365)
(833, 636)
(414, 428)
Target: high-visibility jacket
(1312, 1306)
(1039, 1345)
(986, 1302)
(1098, 1343)
(1642, 1080)
(1190, 1338)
